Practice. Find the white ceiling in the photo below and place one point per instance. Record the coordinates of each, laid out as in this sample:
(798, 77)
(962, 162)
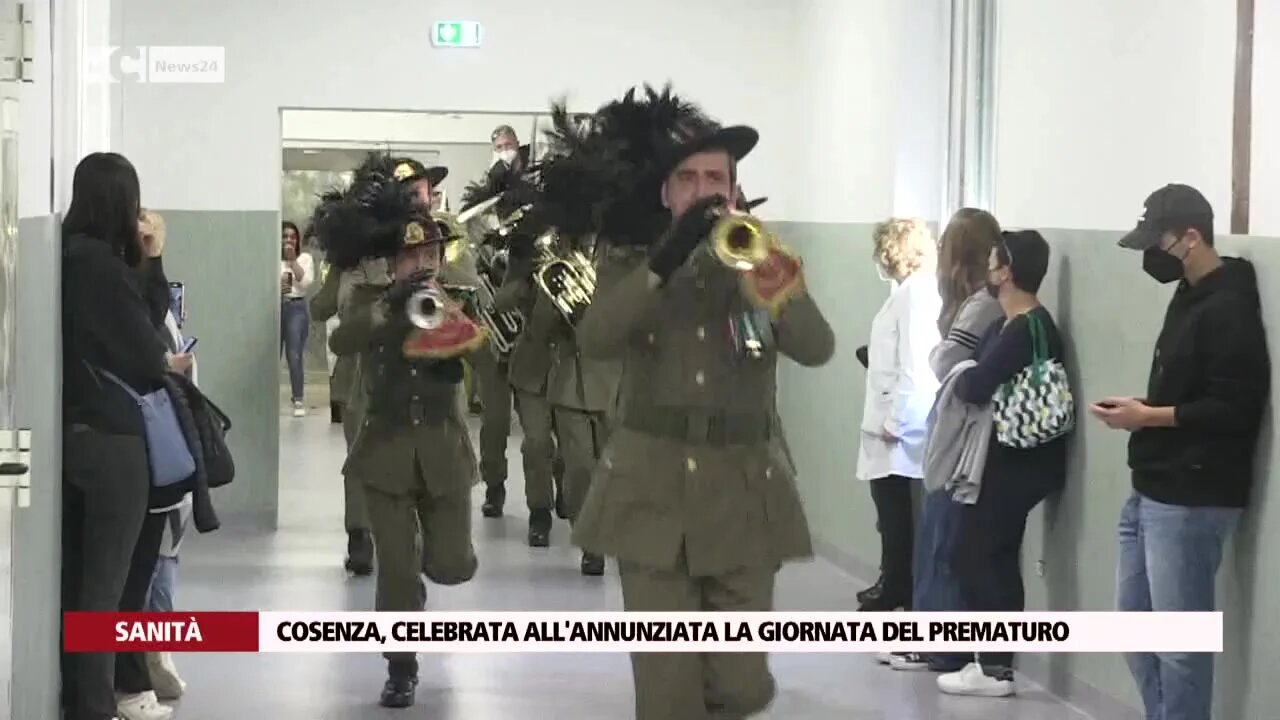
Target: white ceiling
(324, 128)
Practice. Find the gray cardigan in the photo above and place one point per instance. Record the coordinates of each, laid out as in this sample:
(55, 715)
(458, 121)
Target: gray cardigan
(956, 447)
(976, 315)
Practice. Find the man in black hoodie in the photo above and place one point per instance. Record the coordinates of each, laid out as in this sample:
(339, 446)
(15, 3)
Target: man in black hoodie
(1194, 437)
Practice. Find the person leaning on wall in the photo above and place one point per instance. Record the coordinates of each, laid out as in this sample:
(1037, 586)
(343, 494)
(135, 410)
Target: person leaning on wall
(1194, 437)
(900, 388)
(114, 297)
(968, 310)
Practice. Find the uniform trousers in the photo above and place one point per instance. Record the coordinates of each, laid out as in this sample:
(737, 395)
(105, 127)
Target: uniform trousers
(415, 533)
(697, 686)
(581, 436)
(538, 450)
(355, 507)
(495, 415)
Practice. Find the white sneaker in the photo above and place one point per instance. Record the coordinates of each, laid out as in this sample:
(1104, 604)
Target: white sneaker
(164, 676)
(142, 706)
(973, 681)
(299, 410)
(884, 658)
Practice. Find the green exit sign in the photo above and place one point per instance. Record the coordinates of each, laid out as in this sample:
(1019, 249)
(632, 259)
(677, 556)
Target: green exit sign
(456, 33)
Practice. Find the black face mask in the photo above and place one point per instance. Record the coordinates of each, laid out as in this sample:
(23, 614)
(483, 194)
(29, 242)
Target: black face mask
(1161, 266)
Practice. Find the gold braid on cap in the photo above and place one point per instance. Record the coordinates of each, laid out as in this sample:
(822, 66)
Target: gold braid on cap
(403, 170)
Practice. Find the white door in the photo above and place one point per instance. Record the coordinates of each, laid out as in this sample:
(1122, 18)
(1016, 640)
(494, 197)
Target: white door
(16, 37)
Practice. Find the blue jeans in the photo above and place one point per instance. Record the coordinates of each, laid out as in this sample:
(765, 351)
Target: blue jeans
(164, 582)
(1169, 557)
(295, 324)
(935, 586)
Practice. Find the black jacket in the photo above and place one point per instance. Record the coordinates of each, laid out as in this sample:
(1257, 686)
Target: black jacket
(110, 316)
(1210, 364)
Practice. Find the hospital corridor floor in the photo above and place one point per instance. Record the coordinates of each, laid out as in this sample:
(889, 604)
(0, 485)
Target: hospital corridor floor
(299, 567)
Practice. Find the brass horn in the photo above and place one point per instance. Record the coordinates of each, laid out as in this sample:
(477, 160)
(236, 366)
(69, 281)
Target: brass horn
(568, 281)
(455, 237)
(741, 240)
(426, 308)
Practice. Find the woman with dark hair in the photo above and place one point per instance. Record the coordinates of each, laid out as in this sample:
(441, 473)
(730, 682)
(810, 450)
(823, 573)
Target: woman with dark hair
(296, 275)
(968, 310)
(114, 298)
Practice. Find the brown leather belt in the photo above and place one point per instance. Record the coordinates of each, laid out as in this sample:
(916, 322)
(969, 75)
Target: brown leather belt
(699, 426)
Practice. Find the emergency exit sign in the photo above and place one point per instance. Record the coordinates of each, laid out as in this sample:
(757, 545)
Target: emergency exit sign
(456, 33)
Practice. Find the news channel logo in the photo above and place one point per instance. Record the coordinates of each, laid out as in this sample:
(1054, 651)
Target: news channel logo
(182, 64)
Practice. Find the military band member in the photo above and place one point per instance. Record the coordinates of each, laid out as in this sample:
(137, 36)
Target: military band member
(324, 305)
(695, 497)
(583, 393)
(412, 453)
(530, 367)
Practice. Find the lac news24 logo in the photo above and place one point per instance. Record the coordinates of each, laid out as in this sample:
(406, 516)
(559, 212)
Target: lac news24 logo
(157, 64)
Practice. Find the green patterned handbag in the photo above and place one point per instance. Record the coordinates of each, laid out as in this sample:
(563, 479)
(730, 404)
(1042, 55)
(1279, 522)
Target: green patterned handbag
(1036, 405)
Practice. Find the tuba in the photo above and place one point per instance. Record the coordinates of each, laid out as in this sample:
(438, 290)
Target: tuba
(741, 240)
(569, 281)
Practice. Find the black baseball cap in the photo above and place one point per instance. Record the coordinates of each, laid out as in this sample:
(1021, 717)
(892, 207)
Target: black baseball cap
(1172, 207)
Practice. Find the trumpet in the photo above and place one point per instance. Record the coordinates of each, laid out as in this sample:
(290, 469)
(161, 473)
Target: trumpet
(568, 281)
(426, 308)
(741, 240)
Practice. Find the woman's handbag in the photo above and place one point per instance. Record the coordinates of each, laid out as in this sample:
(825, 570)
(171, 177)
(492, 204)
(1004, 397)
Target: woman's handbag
(1036, 405)
(168, 454)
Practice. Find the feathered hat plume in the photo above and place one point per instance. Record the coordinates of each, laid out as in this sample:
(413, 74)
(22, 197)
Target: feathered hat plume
(368, 218)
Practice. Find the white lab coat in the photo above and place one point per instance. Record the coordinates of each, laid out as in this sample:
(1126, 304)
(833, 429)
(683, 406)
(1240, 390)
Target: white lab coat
(901, 386)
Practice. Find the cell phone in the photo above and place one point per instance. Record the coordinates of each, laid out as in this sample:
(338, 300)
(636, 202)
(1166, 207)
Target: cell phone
(177, 300)
(189, 345)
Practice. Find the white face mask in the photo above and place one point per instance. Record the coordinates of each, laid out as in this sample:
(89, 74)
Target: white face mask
(506, 156)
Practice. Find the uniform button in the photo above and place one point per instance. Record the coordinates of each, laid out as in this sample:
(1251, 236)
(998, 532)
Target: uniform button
(691, 464)
(417, 422)
(700, 283)
(413, 371)
(702, 333)
(700, 378)
(768, 472)
(652, 339)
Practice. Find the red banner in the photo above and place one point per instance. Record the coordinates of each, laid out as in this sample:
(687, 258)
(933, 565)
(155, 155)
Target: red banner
(160, 632)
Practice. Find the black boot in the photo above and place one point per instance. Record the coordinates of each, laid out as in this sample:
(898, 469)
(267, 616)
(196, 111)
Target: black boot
(592, 564)
(874, 591)
(359, 552)
(335, 413)
(887, 600)
(495, 496)
(401, 688)
(539, 528)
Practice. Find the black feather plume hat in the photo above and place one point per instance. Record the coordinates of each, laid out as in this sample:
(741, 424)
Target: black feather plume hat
(374, 217)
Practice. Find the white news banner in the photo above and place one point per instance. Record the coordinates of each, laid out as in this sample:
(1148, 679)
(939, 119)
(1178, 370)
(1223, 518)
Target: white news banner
(803, 632)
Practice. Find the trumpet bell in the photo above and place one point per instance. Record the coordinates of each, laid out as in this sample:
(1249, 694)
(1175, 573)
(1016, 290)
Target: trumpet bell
(741, 241)
(426, 309)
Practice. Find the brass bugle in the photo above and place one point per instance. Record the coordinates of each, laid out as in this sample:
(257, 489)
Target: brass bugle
(741, 240)
(426, 308)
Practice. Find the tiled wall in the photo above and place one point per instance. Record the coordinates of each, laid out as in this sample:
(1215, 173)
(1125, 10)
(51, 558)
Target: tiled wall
(1111, 313)
(230, 264)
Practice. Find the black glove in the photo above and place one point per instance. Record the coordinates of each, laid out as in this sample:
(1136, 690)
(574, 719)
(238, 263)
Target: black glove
(861, 354)
(689, 230)
(401, 290)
